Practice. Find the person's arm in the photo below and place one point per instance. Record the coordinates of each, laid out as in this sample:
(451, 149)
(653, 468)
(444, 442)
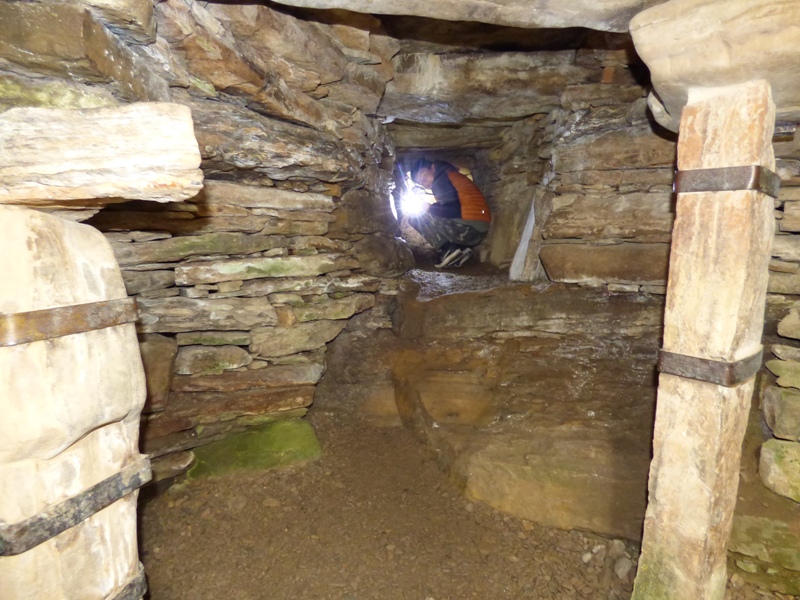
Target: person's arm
(447, 203)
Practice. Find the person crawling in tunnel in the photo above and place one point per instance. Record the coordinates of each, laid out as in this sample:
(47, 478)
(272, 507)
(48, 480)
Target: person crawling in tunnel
(457, 220)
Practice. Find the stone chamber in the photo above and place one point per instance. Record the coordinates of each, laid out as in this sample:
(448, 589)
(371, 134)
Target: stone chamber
(288, 293)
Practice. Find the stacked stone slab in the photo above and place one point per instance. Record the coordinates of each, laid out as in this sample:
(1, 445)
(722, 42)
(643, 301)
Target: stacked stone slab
(241, 287)
(239, 291)
(779, 464)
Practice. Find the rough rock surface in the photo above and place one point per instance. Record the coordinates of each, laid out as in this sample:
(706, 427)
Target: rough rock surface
(607, 16)
(703, 43)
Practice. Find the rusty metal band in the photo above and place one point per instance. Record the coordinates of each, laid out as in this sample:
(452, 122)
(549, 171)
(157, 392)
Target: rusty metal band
(728, 374)
(728, 179)
(21, 537)
(134, 589)
(38, 325)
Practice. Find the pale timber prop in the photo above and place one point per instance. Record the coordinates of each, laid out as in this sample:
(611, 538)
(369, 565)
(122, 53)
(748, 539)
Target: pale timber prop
(713, 324)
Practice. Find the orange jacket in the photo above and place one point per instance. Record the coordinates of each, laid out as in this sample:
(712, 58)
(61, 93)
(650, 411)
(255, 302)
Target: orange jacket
(456, 196)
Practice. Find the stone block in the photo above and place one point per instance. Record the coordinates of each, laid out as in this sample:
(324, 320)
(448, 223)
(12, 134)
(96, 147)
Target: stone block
(132, 20)
(178, 248)
(605, 16)
(158, 357)
(137, 282)
(787, 372)
(282, 341)
(615, 149)
(579, 97)
(781, 409)
(311, 285)
(779, 468)
(172, 465)
(383, 255)
(237, 142)
(148, 152)
(254, 196)
(193, 409)
(786, 247)
(65, 39)
(214, 338)
(789, 326)
(343, 308)
(210, 360)
(184, 224)
(643, 264)
(16, 90)
(548, 481)
(274, 445)
(456, 88)
(641, 217)
(782, 282)
(749, 40)
(188, 314)
(256, 268)
(272, 376)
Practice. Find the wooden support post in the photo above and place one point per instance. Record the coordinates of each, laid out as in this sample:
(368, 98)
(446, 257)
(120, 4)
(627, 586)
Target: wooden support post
(716, 296)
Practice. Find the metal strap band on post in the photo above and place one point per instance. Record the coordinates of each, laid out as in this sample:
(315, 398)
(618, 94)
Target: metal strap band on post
(728, 179)
(134, 589)
(728, 374)
(21, 537)
(38, 325)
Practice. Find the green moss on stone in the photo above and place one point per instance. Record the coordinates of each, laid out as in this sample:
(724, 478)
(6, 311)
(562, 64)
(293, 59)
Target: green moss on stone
(273, 445)
(16, 91)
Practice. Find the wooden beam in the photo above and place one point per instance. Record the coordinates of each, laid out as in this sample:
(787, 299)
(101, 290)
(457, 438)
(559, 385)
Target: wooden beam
(52, 157)
(716, 296)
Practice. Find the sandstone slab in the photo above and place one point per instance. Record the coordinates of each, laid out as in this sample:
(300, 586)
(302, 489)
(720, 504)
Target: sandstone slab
(433, 88)
(65, 39)
(214, 338)
(789, 326)
(133, 20)
(178, 248)
(781, 409)
(342, 308)
(273, 376)
(779, 467)
(787, 372)
(210, 360)
(704, 43)
(149, 152)
(643, 264)
(282, 341)
(237, 141)
(137, 282)
(187, 314)
(158, 356)
(614, 149)
(641, 217)
(256, 268)
(39, 92)
(605, 16)
(254, 196)
(523, 478)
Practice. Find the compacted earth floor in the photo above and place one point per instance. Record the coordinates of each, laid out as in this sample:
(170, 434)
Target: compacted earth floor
(372, 519)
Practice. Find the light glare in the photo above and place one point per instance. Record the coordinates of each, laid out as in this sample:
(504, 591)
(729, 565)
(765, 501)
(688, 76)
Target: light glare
(414, 202)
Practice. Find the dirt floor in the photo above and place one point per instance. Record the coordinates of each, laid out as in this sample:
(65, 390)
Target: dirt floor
(373, 518)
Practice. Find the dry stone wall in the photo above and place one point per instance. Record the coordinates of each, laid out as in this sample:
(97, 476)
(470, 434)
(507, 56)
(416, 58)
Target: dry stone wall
(241, 287)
